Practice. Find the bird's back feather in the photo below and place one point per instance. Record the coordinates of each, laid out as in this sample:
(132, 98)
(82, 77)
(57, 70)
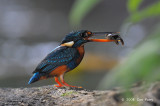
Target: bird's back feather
(60, 56)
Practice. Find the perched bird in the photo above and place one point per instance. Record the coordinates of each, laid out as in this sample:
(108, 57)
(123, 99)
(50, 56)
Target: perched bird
(68, 55)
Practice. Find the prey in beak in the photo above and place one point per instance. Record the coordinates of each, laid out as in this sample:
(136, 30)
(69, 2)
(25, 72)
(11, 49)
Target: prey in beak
(109, 37)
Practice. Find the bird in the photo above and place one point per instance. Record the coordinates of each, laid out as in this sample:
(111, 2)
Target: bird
(68, 55)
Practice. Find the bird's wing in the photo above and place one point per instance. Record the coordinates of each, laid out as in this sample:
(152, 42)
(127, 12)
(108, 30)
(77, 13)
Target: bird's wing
(60, 56)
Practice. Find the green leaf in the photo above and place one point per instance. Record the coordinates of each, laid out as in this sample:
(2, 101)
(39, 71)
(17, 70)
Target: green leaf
(150, 11)
(80, 9)
(133, 5)
(143, 64)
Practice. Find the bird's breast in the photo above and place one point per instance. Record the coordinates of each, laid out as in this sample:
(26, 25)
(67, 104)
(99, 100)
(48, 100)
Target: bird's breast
(81, 54)
(77, 58)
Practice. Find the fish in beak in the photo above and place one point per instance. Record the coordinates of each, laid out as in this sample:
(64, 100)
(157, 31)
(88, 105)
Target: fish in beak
(109, 37)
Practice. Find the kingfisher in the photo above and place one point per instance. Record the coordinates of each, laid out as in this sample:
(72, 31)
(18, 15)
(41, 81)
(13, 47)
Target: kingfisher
(68, 55)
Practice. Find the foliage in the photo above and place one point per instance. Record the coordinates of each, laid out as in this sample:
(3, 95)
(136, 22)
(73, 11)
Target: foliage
(143, 64)
(150, 11)
(80, 10)
(133, 5)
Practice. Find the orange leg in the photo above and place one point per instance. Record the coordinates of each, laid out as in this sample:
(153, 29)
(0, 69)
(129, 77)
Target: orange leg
(58, 83)
(62, 80)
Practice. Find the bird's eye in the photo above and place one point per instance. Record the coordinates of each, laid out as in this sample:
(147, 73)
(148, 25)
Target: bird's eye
(86, 34)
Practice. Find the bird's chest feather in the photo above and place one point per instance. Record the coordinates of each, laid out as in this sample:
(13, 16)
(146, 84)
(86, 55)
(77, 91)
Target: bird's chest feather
(78, 58)
(81, 54)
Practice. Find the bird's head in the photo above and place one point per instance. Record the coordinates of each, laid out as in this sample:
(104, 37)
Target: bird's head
(78, 38)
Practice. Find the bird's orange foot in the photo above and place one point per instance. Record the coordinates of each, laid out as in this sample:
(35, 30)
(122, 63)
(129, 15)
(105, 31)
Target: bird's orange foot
(57, 85)
(75, 86)
(71, 85)
(64, 83)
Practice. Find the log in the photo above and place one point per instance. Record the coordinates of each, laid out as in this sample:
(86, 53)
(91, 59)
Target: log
(52, 96)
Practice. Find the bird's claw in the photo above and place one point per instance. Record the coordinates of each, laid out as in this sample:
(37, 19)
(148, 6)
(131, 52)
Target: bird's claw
(57, 85)
(75, 86)
(78, 87)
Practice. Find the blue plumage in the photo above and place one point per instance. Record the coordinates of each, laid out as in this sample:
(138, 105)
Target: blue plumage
(72, 64)
(60, 56)
(68, 55)
(34, 78)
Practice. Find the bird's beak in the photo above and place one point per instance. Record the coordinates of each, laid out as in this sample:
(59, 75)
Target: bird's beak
(109, 37)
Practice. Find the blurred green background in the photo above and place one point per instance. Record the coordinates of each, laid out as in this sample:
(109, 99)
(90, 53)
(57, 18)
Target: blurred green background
(29, 30)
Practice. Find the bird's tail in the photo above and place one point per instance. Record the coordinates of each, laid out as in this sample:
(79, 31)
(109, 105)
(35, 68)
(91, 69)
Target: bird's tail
(34, 78)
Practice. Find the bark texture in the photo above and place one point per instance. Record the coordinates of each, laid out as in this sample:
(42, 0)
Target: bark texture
(52, 96)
